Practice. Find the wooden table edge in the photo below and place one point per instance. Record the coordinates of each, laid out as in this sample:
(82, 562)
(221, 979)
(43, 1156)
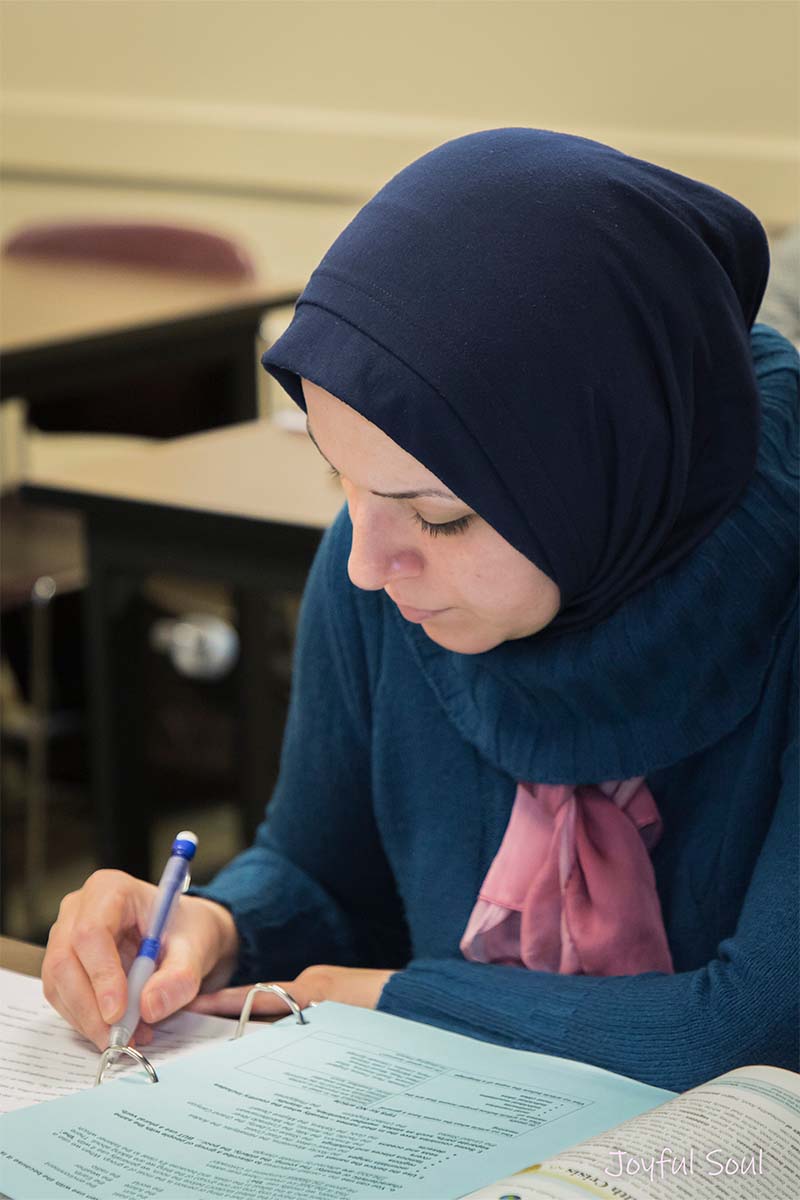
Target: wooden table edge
(22, 957)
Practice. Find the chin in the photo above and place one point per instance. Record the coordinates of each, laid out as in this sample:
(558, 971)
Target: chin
(476, 641)
(479, 639)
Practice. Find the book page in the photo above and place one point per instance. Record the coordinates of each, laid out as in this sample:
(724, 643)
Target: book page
(354, 1105)
(42, 1058)
(735, 1137)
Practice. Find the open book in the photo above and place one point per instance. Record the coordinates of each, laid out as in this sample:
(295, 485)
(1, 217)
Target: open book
(357, 1105)
(737, 1135)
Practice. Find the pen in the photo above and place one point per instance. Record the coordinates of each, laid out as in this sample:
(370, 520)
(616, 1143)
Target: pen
(174, 880)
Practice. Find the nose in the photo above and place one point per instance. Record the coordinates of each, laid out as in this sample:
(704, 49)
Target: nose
(380, 552)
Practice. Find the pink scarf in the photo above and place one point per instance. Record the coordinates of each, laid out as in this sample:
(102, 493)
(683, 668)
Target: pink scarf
(572, 888)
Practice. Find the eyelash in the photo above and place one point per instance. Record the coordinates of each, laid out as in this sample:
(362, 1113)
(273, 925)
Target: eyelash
(433, 528)
(445, 527)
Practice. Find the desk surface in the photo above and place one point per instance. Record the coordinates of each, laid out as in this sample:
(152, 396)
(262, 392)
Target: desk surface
(253, 470)
(21, 956)
(48, 303)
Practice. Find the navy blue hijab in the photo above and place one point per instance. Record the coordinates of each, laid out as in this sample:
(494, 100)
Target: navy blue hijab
(560, 332)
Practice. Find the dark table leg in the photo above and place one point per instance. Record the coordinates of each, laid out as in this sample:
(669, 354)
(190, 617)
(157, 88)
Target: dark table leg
(240, 390)
(262, 709)
(122, 811)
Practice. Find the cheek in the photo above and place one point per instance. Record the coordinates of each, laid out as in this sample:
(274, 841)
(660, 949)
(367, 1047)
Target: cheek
(507, 590)
(491, 576)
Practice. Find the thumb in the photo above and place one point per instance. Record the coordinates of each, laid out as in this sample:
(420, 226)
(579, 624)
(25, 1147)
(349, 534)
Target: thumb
(172, 985)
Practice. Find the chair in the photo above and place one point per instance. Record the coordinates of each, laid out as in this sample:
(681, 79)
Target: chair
(166, 247)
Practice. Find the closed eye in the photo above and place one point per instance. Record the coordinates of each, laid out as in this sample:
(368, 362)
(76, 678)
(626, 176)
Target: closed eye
(434, 528)
(444, 527)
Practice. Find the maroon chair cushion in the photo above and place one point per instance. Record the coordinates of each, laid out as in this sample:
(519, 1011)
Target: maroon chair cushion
(139, 243)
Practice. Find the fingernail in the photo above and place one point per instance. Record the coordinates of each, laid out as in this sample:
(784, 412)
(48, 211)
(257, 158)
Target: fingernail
(108, 1006)
(157, 1005)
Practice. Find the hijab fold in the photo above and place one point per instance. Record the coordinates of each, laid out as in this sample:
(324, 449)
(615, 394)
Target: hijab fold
(560, 332)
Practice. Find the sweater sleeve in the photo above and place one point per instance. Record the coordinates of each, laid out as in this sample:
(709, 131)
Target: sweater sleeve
(297, 894)
(674, 1031)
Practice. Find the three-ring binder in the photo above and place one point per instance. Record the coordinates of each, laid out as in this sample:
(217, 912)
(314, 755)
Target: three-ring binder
(110, 1053)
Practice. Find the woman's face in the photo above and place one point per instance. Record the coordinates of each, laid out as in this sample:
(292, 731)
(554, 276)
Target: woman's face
(440, 563)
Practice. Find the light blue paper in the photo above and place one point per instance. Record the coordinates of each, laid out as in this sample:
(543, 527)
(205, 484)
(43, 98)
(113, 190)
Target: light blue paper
(353, 1106)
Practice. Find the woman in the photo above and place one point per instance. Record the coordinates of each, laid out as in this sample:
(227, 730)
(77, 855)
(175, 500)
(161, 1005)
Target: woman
(539, 776)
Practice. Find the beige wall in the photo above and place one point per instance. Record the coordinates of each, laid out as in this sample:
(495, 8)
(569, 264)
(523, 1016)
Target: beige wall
(333, 96)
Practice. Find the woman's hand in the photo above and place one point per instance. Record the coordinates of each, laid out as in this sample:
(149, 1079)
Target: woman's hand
(349, 985)
(96, 937)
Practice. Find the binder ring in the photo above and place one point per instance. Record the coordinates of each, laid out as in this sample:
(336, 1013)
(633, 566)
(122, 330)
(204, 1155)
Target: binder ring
(112, 1051)
(136, 1055)
(277, 990)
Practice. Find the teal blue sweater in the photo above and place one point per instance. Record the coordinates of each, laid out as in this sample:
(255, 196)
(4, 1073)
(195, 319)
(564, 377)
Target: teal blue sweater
(400, 764)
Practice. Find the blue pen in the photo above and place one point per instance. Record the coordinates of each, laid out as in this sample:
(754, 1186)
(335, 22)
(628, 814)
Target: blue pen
(174, 880)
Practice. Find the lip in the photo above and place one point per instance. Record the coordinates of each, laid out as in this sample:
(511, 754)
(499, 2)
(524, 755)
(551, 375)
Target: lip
(418, 615)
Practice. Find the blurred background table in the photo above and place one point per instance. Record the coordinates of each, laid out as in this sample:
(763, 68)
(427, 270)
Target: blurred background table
(69, 328)
(246, 505)
(22, 957)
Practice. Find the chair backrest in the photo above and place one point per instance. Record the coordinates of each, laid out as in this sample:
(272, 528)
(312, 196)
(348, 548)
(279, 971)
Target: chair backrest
(136, 243)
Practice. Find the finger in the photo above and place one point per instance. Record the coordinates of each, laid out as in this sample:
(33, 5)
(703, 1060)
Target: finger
(128, 948)
(55, 999)
(75, 1011)
(143, 1035)
(174, 984)
(229, 1002)
(64, 981)
(97, 926)
(75, 999)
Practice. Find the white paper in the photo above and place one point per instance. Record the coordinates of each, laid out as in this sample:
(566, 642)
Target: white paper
(42, 1058)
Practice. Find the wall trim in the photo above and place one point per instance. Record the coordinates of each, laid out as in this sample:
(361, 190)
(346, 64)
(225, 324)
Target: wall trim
(331, 153)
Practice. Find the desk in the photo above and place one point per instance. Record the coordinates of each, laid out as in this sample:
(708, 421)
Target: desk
(23, 957)
(68, 327)
(245, 505)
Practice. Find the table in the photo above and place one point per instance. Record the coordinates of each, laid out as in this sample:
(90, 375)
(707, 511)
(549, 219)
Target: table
(245, 505)
(67, 327)
(23, 957)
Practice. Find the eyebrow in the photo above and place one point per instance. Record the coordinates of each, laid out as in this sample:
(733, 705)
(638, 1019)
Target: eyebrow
(413, 495)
